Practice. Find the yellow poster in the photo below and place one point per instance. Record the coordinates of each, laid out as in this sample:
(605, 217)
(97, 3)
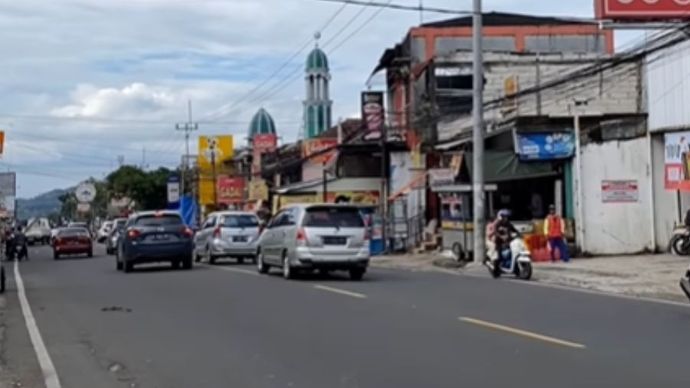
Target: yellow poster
(216, 149)
(258, 190)
(353, 197)
(206, 191)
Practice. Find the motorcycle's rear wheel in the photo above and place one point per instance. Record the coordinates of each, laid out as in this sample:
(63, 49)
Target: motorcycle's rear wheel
(680, 244)
(525, 271)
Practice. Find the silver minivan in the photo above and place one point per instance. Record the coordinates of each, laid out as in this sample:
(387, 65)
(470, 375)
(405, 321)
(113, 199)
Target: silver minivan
(315, 237)
(227, 234)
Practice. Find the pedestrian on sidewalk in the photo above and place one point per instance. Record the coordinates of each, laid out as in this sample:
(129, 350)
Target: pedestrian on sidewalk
(554, 229)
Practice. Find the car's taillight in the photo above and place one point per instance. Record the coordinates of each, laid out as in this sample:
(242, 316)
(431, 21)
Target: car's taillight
(58, 241)
(301, 237)
(216, 232)
(133, 233)
(187, 232)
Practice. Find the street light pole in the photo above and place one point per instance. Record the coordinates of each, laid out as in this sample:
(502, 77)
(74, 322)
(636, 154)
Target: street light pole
(187, 127)
(478, 133)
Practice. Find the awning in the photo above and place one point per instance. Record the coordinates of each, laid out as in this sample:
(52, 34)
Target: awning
(503, 166)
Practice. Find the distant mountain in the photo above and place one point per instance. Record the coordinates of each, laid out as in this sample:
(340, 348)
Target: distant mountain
(40, 205)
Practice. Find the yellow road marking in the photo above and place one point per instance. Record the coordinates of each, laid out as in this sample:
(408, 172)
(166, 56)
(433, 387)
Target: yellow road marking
(522, 333)
(340, 291)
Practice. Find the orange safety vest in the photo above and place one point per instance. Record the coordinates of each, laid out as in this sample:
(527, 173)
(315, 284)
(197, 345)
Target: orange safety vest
(554, 227)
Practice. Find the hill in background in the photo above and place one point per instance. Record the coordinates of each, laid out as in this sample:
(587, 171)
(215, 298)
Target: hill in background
(40, 205)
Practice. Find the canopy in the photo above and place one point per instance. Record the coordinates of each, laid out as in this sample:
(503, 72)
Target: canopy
(502, 166)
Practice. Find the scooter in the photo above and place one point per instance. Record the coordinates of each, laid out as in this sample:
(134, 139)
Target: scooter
(514, 258)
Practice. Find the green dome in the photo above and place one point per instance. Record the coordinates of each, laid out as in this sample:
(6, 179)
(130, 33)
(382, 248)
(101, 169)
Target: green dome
(317, 60)
(262, 124)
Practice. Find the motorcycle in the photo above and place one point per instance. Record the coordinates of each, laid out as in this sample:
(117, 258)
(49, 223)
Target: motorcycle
(680, 241)
(685, 283)
(513, 258)
(17, 248)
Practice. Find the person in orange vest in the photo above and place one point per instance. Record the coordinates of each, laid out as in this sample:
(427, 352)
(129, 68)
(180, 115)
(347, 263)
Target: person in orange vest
(554, 229)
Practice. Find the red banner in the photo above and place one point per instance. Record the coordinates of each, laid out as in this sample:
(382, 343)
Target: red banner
(230, 189)
(264, 143)
(642, 9)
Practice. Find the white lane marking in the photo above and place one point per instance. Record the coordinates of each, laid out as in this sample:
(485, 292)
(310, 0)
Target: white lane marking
(340, 291)
(50, 375)
(522, 333)
(238, 270)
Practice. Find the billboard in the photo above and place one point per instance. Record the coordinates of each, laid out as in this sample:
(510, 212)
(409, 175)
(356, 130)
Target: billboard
(677, 161)
(373, 114)
(264, 143)
(8, 184)
(216, 149)
(545, 146)
(230, 189)
(642, 9)
(319, 151)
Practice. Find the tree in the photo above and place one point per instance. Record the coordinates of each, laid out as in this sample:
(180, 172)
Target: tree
(147, 188)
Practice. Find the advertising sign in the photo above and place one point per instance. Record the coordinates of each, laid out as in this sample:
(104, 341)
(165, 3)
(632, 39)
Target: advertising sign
(173, 189)
(625, 191)
(354, 197)
(214, 149)
(642, 9)
(258, 190)
(86, 192)
(8, 184)
(373, 114)
(313, 149)
(545, 146)
(264, 143)
(230, 189)
(2, 142)
(677, 161)
(441, 177)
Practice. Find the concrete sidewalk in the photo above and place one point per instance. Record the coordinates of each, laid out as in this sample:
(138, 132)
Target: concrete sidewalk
(648, 276)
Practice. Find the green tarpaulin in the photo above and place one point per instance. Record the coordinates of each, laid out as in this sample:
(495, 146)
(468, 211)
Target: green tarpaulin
(501, 166)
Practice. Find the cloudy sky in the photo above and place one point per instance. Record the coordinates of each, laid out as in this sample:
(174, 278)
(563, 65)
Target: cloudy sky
(85, 82)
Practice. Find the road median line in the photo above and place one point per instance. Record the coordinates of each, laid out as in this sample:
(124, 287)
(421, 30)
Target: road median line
(340, 291)
(237, 270)
(522, 333)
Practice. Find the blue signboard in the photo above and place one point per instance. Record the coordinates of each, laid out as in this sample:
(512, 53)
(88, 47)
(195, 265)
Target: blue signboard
(545, 146)
(173, 191)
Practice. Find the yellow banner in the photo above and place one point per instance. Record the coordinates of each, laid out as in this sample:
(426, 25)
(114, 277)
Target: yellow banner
(354, 197)
(205, 191)
(216, 149)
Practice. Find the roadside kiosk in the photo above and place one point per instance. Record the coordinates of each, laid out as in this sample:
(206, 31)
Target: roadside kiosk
(457, 229)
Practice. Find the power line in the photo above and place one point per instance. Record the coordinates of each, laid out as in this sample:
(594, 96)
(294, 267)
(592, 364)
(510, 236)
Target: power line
(224, 110)
(400, 7)
(360, 28)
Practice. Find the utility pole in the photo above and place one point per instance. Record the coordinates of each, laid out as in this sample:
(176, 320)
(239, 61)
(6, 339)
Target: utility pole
(324, 195)
(478, 133)
(213, 172)
(187, 127)
(579, 222)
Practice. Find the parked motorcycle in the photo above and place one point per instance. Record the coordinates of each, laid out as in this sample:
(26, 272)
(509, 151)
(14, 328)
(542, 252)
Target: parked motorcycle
(513, 258)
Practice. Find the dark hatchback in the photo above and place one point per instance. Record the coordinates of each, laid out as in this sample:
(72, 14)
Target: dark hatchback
(153, 237)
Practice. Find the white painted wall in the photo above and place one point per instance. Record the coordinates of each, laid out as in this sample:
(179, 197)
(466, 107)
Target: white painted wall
(617, 228)
(668, 88)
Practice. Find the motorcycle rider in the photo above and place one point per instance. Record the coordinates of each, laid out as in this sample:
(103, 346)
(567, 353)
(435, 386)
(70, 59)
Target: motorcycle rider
(21, 244)
(499, 233)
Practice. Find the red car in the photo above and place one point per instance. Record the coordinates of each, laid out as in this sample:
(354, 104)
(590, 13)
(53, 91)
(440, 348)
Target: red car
(72, 241)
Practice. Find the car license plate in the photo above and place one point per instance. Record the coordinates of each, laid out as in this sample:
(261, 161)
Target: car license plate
(334, 240)
(160, 237)
(239, 239)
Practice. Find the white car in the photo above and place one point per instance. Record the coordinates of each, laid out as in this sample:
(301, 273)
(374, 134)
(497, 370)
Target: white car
(104, 231)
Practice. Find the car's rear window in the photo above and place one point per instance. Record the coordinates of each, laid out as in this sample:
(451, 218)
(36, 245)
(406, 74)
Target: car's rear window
(331, 216)
(72, 232)
(240, 221)
(159, 220)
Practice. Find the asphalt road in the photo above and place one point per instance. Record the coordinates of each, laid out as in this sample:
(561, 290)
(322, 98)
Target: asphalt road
(226, 326)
